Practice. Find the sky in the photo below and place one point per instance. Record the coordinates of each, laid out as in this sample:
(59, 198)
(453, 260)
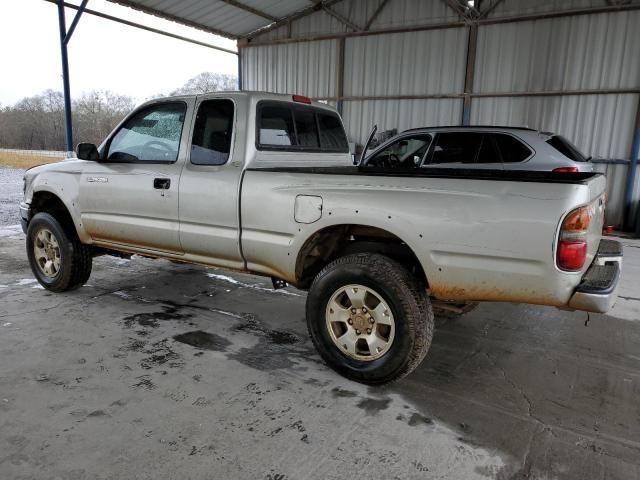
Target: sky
(103, 55)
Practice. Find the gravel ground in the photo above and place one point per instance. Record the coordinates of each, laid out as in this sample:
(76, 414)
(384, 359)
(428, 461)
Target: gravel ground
(10, 195)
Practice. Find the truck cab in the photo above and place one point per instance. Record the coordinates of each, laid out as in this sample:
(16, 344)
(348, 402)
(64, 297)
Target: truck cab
(168, 178)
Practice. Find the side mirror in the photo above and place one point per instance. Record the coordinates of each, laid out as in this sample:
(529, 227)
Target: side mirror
(87, 151)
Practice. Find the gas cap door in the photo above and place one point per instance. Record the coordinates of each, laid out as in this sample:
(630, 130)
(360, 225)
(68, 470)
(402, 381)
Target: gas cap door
(308, 209)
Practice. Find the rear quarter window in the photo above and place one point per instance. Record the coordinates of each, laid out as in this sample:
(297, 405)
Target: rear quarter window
(566, 148)
(511, 149)
(285, 126)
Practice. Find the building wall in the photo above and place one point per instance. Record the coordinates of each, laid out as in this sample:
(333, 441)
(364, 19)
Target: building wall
(592, 53)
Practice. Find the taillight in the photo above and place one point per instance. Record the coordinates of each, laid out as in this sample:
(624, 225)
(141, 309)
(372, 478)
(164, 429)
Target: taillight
(572, 242)
(301, 99)
(565, 170)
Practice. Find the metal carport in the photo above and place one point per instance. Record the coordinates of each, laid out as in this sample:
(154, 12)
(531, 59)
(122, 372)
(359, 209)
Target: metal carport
(570, 67)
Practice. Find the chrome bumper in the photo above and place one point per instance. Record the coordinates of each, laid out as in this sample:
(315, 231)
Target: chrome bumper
(597, 291)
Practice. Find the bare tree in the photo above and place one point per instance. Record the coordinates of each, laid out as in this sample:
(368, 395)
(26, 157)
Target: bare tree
(37, 122)
(208, 82)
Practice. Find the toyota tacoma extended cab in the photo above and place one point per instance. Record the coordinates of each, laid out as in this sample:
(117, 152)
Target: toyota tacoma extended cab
(264, 183)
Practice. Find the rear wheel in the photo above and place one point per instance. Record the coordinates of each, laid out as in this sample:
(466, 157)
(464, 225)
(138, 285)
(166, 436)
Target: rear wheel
(369, 319)
(58, 259)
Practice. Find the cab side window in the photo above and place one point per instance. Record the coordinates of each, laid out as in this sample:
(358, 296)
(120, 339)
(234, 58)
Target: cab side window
(276, 126)
(212, 132)
(288, 127)
(150, 135)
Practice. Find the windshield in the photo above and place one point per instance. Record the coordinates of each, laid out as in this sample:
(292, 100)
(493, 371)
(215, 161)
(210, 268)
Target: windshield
(566, 148)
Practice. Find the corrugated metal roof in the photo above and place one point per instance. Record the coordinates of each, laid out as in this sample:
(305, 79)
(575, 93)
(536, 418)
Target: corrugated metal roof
(227, 18)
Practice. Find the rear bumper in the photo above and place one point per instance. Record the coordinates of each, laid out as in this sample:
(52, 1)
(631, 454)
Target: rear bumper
(597, 291)
(25, 216)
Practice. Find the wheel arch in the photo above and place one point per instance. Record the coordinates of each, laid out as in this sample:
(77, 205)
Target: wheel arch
(330, 242)
(49, 201)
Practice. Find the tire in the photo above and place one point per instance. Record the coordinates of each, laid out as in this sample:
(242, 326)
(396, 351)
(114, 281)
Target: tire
(400, 296)
(73, 259)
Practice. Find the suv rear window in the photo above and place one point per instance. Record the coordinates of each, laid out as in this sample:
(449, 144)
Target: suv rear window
(566, 148)
(285, 126)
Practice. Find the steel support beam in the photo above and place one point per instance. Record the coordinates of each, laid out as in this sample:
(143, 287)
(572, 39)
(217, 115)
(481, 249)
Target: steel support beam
(254, 11)
(68, 132)
(342, 19)
(472, 43)
(376, 14)
(484, 13)
(436, 26)
(143, 27)
(75, 21)
(289, 18)
(545, 93)
(456, 7)
(630, 222)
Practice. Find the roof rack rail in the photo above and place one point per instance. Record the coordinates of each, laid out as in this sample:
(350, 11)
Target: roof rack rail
(470, 126)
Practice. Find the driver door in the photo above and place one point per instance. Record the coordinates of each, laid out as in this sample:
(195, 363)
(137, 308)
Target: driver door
(130, 196)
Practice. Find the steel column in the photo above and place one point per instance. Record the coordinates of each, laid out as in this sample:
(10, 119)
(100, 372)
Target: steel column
(65, 78)
(469, 73)
(239, 68)
(631, 174)
(340, 74)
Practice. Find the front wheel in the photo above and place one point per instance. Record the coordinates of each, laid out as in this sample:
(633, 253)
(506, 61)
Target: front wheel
(58, 259)
(369, 319)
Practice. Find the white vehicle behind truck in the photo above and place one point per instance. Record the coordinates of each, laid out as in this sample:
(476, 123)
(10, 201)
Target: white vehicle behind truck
(264, 183)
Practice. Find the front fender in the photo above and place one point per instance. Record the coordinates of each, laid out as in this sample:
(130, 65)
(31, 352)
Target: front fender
(64, 186)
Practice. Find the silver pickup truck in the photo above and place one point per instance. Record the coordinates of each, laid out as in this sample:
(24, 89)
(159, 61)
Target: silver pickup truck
(264, 183)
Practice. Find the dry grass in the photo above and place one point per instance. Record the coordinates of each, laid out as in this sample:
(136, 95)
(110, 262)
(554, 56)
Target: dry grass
(24, 160)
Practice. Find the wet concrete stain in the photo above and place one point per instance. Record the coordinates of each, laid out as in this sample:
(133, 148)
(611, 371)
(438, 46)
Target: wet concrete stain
(277, 337)
(261, 357)
(144, 381)
(98, 413)
(316, 383)
(170, 311)
(372, 406)
(274, 350)
(159, 353)
(338, 392)
(203, 340)
(415, 419)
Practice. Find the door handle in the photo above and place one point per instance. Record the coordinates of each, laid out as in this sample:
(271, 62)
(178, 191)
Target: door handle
(162, 183)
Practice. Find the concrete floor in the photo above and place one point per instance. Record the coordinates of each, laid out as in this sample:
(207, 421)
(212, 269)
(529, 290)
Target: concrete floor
(163, 371)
